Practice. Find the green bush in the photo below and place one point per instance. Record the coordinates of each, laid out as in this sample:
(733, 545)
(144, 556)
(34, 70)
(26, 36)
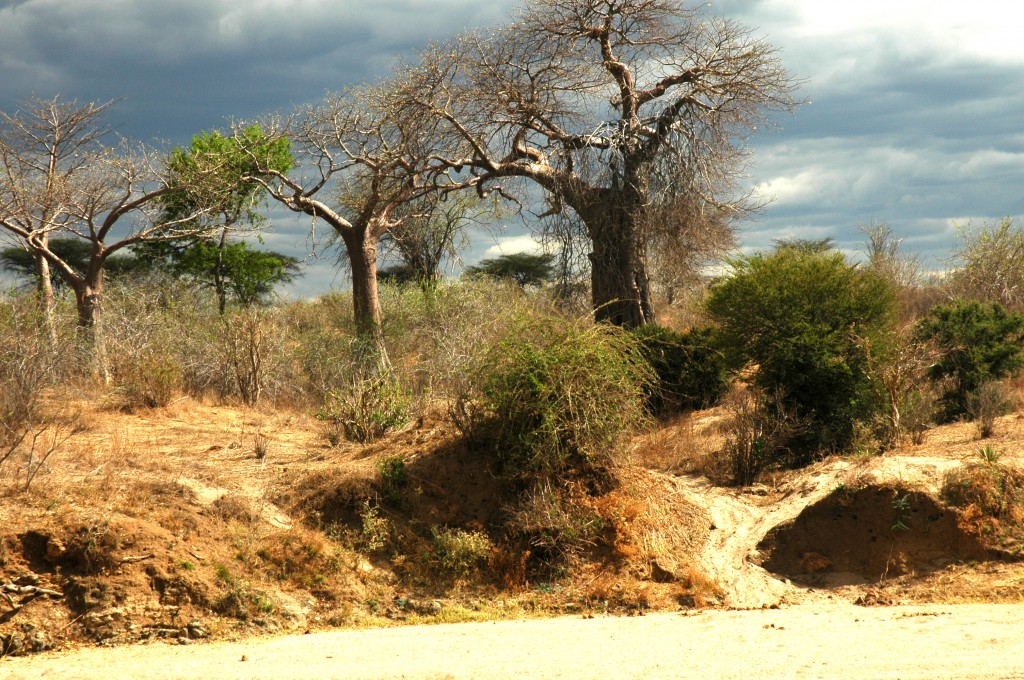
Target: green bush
(690, 371)
(560, 393)
(806, 322)
(977, 343)
(368, 408)
(458, 553)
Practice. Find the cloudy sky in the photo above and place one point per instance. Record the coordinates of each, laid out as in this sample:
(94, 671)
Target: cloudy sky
(915, 115)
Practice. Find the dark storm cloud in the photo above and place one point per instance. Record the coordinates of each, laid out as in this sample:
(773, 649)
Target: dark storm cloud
(185, 66)
(910, 122)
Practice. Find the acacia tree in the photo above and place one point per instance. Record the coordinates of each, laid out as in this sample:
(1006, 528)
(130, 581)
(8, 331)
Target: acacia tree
(61, 179)
(621, 110)
(212, 259)
(360, 156)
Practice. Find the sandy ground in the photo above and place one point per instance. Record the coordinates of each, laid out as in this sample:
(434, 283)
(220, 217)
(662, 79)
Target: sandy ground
(838, 641)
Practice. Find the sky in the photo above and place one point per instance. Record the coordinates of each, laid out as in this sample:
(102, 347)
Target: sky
(913, 113)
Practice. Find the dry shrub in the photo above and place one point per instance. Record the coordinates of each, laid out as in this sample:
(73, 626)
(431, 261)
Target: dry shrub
(990, 497)
(29, 364)
(508, 564)
(302, 557)
(757, 434)
(234, 507)
(990, 401)
(674, 448)
(554, 524)
(698, 590)
(253, 344)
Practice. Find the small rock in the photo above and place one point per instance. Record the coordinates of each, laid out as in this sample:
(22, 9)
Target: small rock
(197, 631)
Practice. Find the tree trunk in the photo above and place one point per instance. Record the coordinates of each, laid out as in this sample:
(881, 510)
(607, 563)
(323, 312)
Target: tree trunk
(45, 297)
(220, 286)
(620, 284)
(88, 299)
(361, 248)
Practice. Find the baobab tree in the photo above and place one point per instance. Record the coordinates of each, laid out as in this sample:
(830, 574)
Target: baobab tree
(626, 112)
(45, 149)
(62, 180)
(361, 158)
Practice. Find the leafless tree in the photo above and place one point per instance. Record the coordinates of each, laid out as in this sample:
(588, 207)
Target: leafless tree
(608, 104)
(435, 234)
(45, 148)
(883, 249)
(361, 157)
(989, 263)
(61, 178)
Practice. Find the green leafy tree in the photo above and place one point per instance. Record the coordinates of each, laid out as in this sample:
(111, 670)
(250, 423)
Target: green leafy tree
(231, 269)
(235, 270)
(977, 342)
(525, 269)
(691, 370)
(805, 321)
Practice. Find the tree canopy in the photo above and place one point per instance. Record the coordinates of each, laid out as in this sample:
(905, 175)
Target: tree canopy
(630, 113)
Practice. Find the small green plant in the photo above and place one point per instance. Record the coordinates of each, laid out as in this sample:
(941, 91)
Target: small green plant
(457, 552)
(223, 574)
(377, 532)
(186, 565)
(989, 455)
(392, 476)
(901, 505)
(366, 410)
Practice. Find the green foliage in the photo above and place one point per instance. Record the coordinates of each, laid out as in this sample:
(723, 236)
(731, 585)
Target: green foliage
(367, 408)
(235, 268)
(805, 321)
(691, 371)
(218, 170)
(524, 268)
(392, 476)
(977, 343)
(457, 552)
(560, 393)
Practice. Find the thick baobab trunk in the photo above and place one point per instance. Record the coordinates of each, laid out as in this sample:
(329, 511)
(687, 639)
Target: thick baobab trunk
(361, 248)
(620, 284)
(88, 299)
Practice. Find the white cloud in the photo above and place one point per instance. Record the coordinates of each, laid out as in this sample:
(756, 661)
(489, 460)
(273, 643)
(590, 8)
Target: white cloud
(511, 245)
